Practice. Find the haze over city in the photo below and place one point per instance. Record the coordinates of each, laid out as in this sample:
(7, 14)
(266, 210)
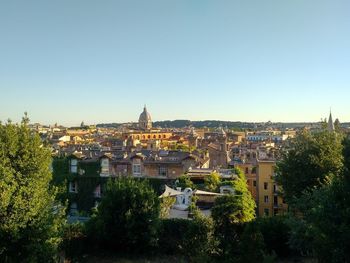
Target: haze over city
(101, 62)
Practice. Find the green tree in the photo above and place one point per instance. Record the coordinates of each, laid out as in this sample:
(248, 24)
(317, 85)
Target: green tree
(328, 220)
(337, 125)
(184, 181)
(189, 238)
(165, 205)
(315, 179)
(30, 219)
(127, 217)
(251, 246)
(212, 182)
(230, 213)
(311, 162)
(184, 147)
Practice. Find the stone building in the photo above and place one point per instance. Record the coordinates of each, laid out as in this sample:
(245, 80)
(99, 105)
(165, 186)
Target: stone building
(218, 151)
(145, 121)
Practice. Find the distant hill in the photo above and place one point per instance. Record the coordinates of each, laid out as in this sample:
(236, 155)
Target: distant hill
(108, 125)
(187, 123)
(237, 125)
(203, 124)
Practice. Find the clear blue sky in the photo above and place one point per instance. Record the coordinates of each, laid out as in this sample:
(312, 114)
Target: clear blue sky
(100, 61)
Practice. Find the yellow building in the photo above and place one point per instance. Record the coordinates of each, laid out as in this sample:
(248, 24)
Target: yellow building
(148, 135)
(269, 203)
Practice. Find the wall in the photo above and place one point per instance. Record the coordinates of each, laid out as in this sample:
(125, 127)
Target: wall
(275, 203)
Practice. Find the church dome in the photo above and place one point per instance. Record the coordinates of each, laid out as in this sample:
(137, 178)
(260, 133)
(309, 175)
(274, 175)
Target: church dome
(145, 121)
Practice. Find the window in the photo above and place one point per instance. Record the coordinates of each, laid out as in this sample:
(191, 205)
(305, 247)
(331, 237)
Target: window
(265, 185)
(136, 169)
(246, 170)
(73, 187)
(105, 166)
(275, 201)
(266, 199)
(266, 212)
(74, 166)
(73, 209)
(275, 188)
(254, 183)
(163, 171)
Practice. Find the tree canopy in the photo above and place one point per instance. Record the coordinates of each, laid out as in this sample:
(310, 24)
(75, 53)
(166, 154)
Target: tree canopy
(314, 175)
(30, 219)
(230, 213)
(212, 182)
(127, 216)
(237, 208)
(310, 162)
(184, 181)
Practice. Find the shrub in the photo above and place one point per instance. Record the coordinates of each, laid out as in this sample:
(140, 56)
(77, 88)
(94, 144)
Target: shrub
(127, 217)
(191, 238)
(74, 241)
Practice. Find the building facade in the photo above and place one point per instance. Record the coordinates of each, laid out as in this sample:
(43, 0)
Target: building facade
(270, 202)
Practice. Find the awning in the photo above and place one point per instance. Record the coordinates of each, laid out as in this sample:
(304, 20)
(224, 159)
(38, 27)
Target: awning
(200, 192)
(169, 192)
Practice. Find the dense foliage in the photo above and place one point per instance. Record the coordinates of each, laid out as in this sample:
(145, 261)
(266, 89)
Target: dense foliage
(87, 178)
(230, 213)
(190, 238)
(212, 182)
(30, 218)
(127, 217)
(184, 181)
(311, 162)
(315, 178)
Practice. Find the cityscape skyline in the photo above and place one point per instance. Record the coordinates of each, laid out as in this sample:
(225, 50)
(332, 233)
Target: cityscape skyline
(326, 119)
(252, 61)
(175, 131)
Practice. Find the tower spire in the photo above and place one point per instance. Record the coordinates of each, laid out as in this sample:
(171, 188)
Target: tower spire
(330, 125)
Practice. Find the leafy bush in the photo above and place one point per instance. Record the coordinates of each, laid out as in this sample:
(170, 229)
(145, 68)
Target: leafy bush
(184, 181)
(212, 182)
(230, 214)
(74, 241)
(127, 217)
(264, 239)
(191, 238)
(276, 233)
